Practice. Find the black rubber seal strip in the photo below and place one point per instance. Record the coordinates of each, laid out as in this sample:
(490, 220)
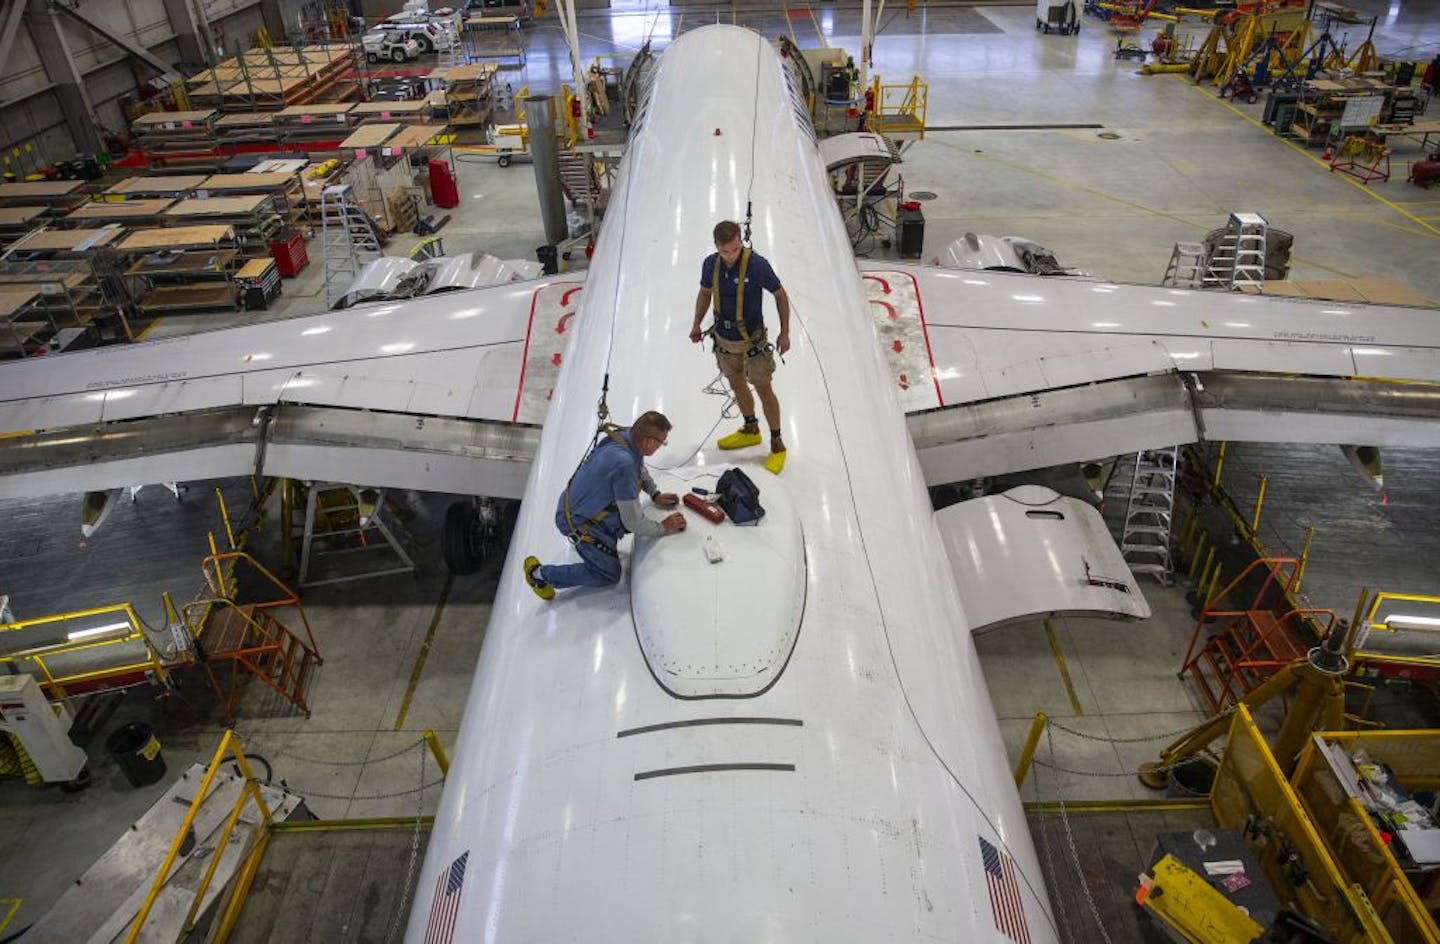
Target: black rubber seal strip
(697, 722)
(710, 768)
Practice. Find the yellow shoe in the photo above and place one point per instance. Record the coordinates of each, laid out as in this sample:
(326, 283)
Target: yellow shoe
(542, 589)
(739, 439)
(775, 462)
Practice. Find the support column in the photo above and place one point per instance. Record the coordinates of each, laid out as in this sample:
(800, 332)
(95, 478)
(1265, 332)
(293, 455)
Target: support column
(192, 30)
(59, 64)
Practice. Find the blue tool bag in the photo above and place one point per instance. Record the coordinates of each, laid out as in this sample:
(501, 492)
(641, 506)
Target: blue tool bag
(739, 497)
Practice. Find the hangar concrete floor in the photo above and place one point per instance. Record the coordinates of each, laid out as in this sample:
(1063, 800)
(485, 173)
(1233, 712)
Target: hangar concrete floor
(1153, 161)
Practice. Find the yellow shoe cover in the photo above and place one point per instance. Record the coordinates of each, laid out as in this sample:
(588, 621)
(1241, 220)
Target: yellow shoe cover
(542, 589)
(775, 462)
(739, 440)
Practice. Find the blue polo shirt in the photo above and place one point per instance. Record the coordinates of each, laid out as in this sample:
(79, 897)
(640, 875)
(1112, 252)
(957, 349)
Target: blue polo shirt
(758, 276)
(611, 474)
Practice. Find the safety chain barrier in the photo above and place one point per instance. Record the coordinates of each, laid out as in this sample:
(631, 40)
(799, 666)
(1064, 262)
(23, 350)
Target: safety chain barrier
(397, 920)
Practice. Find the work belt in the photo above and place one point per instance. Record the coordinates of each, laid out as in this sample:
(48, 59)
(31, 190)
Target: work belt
(756, 344)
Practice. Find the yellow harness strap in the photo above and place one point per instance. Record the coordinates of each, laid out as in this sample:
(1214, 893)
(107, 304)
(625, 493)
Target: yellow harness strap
(582, 532)
(739, 292)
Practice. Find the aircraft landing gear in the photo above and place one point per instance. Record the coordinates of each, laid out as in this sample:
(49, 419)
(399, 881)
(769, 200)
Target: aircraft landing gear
(476, 531)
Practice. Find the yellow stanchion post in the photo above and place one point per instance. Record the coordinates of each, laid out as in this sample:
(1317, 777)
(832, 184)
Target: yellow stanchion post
(1219, 465)
(1200, 546)
(432, 739)
(1259, 504)
(225, 517)
(1032, 741)
(1304, 557)
(1205, 568)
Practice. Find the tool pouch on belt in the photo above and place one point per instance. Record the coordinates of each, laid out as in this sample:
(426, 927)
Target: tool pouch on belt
(739, 497)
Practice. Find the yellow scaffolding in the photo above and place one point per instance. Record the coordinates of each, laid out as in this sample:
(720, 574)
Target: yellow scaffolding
(90, 633)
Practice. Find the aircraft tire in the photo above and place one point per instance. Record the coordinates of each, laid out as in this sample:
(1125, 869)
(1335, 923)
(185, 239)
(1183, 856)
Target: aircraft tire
(463, 555)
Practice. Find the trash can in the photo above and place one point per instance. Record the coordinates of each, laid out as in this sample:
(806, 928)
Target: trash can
(1192, 777)
(136, 750)
(549, 259)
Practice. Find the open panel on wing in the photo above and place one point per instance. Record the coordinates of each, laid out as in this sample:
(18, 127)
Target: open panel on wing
(442, 393)
(1003, 372)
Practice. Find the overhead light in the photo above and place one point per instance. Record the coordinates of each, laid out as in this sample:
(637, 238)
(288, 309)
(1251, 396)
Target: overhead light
(1028, 298)
(318, 329)
(94, 631)
(398, 347)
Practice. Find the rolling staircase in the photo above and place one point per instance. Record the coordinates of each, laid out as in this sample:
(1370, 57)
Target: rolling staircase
(1238, 260)
(1253, 643)
(346, 232)
(237, 641)
(1149, 504)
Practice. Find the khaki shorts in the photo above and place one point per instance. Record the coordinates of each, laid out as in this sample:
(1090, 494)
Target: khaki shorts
(735, 360)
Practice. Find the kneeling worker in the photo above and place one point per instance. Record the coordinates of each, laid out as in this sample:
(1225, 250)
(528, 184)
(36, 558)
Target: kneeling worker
(602, 503)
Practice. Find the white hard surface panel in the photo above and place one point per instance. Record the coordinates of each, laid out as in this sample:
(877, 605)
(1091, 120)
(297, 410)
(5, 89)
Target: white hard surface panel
(998, 334)
(727, 628)
(1030, 553)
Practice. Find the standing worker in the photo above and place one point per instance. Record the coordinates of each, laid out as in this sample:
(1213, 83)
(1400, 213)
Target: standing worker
(742, 351)
(602, 503)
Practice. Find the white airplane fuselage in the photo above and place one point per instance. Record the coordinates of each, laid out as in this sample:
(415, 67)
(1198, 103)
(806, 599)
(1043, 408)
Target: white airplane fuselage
(852, 803)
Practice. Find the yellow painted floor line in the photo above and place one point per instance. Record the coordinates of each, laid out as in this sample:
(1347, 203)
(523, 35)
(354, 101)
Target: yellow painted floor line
(1064, 669)
(1433, 232)
(148, 328)
(419, 667)
(14, 904)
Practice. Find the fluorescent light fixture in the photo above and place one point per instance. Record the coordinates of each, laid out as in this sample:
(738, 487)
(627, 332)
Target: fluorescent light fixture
(107, 395)
(1404, 621)
(1104, 324)
(1237, 324)
(1163, 303)
(94, 631)
(399, 347)
(260, 356)
(1334, 311)
(1371, 351)
(1028, 298)
(318, 329)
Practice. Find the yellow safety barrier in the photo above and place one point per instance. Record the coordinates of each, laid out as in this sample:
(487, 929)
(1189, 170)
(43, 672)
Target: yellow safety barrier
(900, 110)
(1425, 622)
(66, 667)
(229, 745)
(1413, 757)
(1252, 794)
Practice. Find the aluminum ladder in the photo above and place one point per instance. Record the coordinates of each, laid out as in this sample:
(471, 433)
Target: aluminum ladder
(1239, 260)
(1149, 506)
(346, 231)
(1187, 266)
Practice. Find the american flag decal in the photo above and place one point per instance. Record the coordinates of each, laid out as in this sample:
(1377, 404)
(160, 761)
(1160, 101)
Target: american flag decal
(1005, 901)
(445, 905)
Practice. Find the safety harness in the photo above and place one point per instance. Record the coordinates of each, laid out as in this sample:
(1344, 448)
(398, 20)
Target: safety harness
(581, 532)
(760, 346)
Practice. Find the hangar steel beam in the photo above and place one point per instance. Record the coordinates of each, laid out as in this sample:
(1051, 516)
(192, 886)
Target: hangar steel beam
(80, 118)
(124, 42)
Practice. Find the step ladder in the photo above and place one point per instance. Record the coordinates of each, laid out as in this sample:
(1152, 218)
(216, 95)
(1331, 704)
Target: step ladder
(1253, 643)
(1187, 266)
(341, 533)
(236, 641)
(1149, 505)
(346, 234)
(1238, 261)
(577, 177)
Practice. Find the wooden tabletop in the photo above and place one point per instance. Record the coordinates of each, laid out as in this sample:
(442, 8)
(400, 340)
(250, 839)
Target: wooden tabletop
(173, 237)
(414, 136)
(245, 119)
(31, 189)
(173, 119)
(67, 240)
(19, 215)
(369, 136)
(158, 183)
(118, 210)
(14, 298)
(386, 109)
(324, 108)
(218, 206)
(248, 181)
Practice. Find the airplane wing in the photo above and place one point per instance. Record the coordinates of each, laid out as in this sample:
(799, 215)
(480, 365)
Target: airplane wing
(442, 393)
(1001, 372)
